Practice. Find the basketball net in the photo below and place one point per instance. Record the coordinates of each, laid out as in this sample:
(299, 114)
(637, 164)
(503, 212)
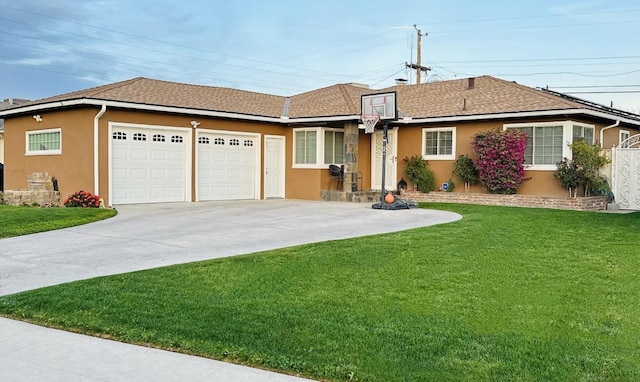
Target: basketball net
(369, 122)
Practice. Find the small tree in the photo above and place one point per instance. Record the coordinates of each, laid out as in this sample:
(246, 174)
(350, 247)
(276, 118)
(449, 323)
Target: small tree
(569, 174)
(465, 171)
(500, 159)
(419, 173)
(583, 170)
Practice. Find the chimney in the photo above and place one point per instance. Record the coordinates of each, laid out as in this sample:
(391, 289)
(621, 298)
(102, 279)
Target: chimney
(401, 81)
(472, 83)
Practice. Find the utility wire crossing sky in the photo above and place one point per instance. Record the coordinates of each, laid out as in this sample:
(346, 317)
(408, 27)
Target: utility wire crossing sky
(582, 48)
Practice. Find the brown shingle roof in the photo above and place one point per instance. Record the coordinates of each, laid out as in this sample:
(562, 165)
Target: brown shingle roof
(341, 99)
(489, 95)
(163, 93)
(453, 98)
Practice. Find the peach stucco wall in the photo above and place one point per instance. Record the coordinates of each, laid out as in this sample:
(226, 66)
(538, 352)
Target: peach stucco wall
(539, 182)
(74, 167)
(2, 147)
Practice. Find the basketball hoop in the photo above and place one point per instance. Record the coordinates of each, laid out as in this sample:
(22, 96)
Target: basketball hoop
(369, 121)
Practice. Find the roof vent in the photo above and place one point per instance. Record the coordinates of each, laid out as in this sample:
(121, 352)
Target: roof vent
(401, 81)
(472, 83)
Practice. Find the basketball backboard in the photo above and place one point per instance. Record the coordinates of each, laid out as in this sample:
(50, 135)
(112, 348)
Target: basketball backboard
(381, 104)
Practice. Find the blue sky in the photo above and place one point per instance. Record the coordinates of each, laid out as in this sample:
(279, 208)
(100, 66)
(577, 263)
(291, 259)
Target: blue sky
(289, 47)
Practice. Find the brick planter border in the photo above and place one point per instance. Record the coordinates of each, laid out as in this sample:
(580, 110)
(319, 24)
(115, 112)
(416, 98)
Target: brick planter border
(592, 203)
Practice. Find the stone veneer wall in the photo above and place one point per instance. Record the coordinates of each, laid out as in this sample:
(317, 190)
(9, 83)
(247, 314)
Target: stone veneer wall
(367, 196)
(592, 203)
(39, 190)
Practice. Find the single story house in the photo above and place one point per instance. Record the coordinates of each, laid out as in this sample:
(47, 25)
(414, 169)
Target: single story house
(145, 140)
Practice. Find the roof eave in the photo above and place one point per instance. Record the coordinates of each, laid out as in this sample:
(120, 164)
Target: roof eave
(288, 120)
(519, 114)
(170, 109)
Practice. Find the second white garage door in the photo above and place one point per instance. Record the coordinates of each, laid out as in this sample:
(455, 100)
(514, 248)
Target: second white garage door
(227, 165)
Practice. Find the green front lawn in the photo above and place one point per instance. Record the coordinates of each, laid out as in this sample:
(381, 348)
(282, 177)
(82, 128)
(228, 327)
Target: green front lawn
(505, 294)
(16, 221)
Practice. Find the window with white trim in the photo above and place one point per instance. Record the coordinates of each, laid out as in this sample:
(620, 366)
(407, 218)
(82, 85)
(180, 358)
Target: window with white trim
(305, 142)
(583, 132)
(44, 142)
(624, 135)
(439, 143)
(333, 147)
(317, 147)
(548, 142)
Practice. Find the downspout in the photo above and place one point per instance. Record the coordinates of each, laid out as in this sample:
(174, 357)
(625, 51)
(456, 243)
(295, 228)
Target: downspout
(96, 164)
(606, 128)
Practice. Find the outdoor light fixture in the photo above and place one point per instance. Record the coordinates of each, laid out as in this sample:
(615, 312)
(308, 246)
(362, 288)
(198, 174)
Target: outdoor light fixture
(195, 124)
(37, 117)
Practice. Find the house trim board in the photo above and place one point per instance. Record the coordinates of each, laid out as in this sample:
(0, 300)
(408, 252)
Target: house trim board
(287, 120)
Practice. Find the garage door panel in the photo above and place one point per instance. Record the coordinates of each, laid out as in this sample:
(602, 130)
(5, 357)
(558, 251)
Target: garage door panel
(139, 174)
(226, 167)
(159, 174)
(176, 174)
(139, 154)
(158, 155)
(148, 170)
(119, 174)
(175, 155)
(219, 157)
(119, 153)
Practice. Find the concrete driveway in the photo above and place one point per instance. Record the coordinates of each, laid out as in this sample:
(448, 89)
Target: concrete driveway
(149, 236)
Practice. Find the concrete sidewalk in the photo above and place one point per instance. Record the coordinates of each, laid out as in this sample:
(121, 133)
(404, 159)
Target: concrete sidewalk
(33, 353)
(149, 236)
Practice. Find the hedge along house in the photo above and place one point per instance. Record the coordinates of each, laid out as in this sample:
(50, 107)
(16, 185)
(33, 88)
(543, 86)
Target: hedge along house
(144, 141)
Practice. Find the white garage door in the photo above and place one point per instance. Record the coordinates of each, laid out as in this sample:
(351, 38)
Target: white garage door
(148, 165)
(227, 164)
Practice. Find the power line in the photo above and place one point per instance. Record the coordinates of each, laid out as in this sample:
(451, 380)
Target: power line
(594, 86)
(607, 92)
(530, 17)
(542, 59)
(535, 27)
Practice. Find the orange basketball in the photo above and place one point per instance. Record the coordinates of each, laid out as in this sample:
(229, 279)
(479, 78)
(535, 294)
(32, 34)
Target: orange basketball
(389, 198)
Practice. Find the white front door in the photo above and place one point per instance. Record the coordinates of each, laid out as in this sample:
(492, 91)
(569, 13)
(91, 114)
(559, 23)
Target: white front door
(274, 163)
(391, 177)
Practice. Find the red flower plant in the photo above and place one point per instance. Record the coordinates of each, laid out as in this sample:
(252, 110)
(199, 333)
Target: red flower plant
(82, 199)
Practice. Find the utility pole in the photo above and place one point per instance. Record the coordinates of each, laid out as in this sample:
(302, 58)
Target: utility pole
(418, 67)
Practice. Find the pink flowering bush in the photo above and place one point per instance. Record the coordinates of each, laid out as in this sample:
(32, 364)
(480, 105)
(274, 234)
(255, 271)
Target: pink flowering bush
(82, 199)
(500, 160)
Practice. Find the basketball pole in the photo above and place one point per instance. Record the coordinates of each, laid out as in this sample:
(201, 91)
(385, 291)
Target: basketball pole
(385, 127)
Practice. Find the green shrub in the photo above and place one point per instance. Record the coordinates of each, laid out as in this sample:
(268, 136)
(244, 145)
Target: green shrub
(465, 171)
(583, 171)
(419, 173)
